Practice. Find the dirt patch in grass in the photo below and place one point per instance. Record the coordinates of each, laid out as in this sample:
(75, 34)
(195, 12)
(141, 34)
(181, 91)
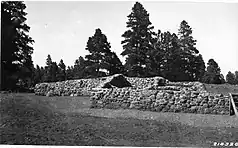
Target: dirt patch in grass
(34, 120)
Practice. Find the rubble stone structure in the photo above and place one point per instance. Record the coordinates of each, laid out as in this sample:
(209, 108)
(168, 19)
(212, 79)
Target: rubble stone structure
(151, 94)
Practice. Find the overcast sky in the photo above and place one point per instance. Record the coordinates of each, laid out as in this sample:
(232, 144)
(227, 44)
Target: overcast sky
(62, 28)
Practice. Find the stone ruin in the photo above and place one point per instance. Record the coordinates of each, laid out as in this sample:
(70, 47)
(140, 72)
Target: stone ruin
(152, 94)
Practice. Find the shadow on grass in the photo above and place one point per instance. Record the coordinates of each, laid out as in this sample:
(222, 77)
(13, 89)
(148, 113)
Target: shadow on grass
(24, 121)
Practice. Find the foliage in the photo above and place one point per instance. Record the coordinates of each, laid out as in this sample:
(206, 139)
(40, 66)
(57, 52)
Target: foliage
(149, 54)
(138, 42)
(113, 64)
(193, 65)
(101, 61)
(173, 56)
(97, 46)
(156, 55)
(61, 74)
(236, 75)
(172, 62)
(38, 74)
(48, 70)
(231, 78)
(176, 57)
(54, 72)
(213, 73)
(79, 69)
(16, 60)
(69, 73)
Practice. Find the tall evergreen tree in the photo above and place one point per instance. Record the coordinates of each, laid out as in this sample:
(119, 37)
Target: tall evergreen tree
(42, 72)
(198, 68)
(230, 78)
(113, 64)
(193, 64)
(80, 68)
(154, 62)
(61, 75)
(213, 73)
(222, 79)
(51, 70)
(138, 41)
(172, 63)
(16, 62)
(54, 72)
(99, 48)
(69, 73)
(236, 75)
(48, 69)
(187, 42)
(37, 75)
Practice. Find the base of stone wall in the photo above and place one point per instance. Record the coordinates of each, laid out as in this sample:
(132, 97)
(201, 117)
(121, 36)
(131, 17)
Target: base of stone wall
(112, 106)
(161, 109)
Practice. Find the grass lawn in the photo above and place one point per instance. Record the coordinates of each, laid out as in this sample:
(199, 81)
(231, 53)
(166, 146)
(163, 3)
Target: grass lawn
(38, 120)
(221, 88)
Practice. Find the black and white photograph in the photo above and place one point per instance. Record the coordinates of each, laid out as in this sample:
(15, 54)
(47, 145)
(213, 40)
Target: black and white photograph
(119, 73)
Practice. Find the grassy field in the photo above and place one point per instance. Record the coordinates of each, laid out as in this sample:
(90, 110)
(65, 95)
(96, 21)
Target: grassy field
(221, 88)
(37, 120)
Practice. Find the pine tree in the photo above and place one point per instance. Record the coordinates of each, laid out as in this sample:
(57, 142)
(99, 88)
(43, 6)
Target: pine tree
(138, 42)
(80, 68)
(155, 56)
(193, 64)
(16, 62)
(51, 70)
(69, 73)
(230, 78)
(213, 73)
(172, 63)
(187, 42)
(113, 64)
(222, 79)
(98, 47)
(199, 68)
(48, 69)
(61, 75)
(54, 72)
(42, 72)
(38, 73)
(236, 75)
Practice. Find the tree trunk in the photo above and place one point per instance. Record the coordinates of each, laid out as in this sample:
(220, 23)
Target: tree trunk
(1, 68)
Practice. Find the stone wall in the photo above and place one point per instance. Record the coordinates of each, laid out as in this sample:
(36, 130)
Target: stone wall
(68, 88)
(162, 100)
(152, 94)
(85, 86)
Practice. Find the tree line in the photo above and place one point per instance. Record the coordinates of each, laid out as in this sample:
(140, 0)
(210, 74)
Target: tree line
(148, 53)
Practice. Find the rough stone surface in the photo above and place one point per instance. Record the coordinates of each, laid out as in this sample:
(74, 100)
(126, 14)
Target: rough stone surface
(152, 94)
(49, 94)
(183, 99)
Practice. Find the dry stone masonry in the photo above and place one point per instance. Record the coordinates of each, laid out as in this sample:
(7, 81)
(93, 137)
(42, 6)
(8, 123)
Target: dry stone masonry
(152, 94)
(80, 87)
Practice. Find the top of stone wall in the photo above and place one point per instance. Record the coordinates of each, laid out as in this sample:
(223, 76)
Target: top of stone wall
(77, 86)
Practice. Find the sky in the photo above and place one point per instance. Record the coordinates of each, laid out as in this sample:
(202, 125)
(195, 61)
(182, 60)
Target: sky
(62, 28)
